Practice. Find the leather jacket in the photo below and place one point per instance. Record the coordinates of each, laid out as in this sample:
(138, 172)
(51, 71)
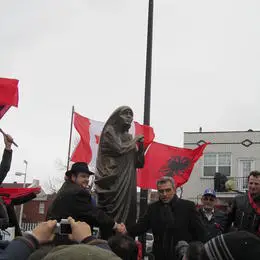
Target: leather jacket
(243, 216)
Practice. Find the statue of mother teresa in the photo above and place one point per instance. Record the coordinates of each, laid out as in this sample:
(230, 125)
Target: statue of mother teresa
(119, 156)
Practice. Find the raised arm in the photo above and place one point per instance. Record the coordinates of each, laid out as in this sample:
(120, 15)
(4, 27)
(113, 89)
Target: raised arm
(7, 158)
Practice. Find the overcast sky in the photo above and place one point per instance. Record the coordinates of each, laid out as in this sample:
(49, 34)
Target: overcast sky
(91, 53)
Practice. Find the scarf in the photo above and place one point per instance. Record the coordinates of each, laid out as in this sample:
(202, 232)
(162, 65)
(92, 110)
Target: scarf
(255, 207)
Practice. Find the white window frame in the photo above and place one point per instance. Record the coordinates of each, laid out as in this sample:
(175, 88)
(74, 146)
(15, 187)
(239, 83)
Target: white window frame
(239, 160)
(240, 175)
(217, 164)
(41, 208)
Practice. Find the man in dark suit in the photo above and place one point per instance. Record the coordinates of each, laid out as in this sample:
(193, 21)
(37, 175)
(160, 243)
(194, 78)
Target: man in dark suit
(171, 219)
(74, 200)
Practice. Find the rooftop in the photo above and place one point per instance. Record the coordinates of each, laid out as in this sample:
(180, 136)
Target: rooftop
(221, 132)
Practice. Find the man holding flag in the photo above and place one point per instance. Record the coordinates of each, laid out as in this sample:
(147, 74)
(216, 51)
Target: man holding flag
(8, 97)
(4, 169)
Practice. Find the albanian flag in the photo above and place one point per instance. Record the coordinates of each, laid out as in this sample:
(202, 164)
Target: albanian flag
(164, 160)
(8, 94)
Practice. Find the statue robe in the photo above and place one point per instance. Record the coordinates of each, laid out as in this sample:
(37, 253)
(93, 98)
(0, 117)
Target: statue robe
(118, 158)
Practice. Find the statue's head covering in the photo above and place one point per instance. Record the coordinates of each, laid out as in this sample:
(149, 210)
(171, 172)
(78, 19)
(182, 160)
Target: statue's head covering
(111, 133)
(113, 119)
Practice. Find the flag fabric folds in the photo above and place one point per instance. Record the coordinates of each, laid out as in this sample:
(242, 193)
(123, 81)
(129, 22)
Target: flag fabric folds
(87, 148)
(8, 94)
(164, 160)
(18, 196)
(90, 131)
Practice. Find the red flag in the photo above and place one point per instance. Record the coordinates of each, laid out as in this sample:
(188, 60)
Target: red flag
(164, 160)
(8, 94)
(90, 131)
(146, 131)
(17, 195)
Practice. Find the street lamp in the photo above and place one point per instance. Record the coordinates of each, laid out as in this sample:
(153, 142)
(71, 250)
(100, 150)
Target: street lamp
(24, 183)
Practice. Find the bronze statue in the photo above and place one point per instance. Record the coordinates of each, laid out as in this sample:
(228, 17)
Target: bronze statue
(119, 155)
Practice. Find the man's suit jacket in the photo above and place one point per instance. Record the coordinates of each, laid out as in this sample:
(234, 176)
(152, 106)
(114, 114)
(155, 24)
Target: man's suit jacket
(74, 201)
(170, 223)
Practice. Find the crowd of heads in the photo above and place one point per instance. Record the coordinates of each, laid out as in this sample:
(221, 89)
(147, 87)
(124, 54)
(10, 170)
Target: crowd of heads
(237, 245)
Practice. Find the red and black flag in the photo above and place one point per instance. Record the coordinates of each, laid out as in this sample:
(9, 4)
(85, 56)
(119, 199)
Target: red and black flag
(8, 94)
(164, 160)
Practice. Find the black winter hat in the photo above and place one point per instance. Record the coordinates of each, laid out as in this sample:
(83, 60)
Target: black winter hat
(78, 167)
(240, 245)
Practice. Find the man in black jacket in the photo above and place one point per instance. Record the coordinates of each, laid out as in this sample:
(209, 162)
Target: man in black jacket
(7, 158)
(171, 219)
(74, 200)
(245, 211)
(214, 220)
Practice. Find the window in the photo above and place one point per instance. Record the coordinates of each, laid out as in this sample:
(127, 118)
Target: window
(41, 207)
(217, 162)
(245, 167)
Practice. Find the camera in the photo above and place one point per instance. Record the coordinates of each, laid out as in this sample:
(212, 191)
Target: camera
(63, 227)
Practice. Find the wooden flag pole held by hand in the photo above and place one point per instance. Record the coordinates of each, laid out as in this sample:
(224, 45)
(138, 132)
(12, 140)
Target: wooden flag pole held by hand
(13, 142)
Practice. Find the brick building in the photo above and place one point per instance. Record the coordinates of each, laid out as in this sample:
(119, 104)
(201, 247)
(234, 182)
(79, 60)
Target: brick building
(35, 210)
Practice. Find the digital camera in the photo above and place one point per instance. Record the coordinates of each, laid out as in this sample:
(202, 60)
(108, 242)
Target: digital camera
(63, 227)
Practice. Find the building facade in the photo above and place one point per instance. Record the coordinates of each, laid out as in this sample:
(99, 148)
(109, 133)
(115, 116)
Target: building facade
(233, 154)
(35, 211)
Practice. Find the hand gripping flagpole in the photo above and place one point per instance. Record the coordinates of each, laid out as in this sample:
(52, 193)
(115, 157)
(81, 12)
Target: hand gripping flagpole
(13, 142)
(147, 104)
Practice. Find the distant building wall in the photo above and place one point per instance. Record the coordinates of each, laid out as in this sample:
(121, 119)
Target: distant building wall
(244, 150)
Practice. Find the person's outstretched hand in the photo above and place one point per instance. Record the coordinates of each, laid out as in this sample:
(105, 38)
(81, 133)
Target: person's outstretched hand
(80, 230)
(121, 228)
(44, 232)
(8, 142)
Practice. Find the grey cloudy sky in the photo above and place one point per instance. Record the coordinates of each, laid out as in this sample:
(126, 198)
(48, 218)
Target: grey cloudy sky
(91, 53)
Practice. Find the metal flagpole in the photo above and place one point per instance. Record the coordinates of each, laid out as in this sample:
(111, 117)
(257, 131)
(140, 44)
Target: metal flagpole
(147, 102)
(71, 125)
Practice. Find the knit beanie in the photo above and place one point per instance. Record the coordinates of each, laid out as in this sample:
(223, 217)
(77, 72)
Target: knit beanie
(239, 245)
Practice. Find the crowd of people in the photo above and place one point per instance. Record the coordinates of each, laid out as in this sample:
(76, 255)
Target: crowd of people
(180, 229)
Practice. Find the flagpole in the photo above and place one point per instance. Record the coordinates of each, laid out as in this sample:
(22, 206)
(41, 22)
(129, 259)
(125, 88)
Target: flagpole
(70, 136)
(147, 102)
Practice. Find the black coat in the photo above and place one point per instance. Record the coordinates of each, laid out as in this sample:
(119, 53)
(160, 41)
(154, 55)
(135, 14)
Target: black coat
(74, 201)
(4, 169)
(243, 216)
(5, 164)
(170, 223)
(216, 226)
